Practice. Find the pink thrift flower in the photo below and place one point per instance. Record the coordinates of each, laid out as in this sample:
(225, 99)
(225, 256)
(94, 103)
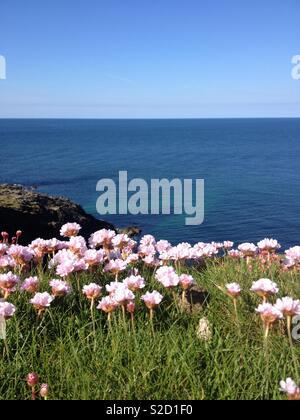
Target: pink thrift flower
(30, 285)
(102, 238)
(115, 266)
(167, 277)
(186, 281)
(234, 253)
(44, 391)
(60, 288)
(228, 244)
(93, 257)
(8, 282)
(20, 254)
(264, 288)
(132, 259)
(293, 256)
(291, 389)
(120, 241)
(268, 245)
(92, 291)
(122, 295)
(134, 283)
(269, 313)
(181, 252)
(77, 245)
(248, 249)
(107, 304)
(7, 262)
(32, 379)
(65, 269)
(41, 301)
(3, 249)
(113, 286)
(130, 307)
(7, 310)
(163, 246)
(288, 306)
(70, 229)
(233, 289)
(152, 299)
(148, 240)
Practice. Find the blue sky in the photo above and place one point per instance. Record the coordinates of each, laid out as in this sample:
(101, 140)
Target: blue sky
(149, 58)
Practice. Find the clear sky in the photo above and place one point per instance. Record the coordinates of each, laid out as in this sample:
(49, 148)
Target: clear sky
(149, 58)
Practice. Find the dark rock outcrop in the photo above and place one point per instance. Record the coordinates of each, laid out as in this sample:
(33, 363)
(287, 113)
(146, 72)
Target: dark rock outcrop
(131, 231)
(40, 215)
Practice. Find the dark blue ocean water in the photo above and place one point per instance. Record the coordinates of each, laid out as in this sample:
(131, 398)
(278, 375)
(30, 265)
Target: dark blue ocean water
(251, 169)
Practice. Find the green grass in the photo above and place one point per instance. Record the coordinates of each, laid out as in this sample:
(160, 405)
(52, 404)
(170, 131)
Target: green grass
(171, 363)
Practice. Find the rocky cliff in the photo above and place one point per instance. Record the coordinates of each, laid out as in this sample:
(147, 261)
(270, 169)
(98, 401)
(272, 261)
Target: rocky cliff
(40, 215)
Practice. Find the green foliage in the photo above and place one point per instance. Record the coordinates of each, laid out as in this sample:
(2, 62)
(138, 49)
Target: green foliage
(120, 362)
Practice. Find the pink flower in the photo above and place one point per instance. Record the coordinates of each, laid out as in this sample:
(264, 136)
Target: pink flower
(107, 304)
(151, 261)
(167, 277)
(39, 247)
(20, 254)
(234, 253)
(130, 307)
(70, 229)
(163, 246)
(264, 288)
(180, 252)
(288, 306)
(30, 285)
(147, 251)
(248, 249)
(134, 283)
(93, 257)
(228, 244)
(233, 289)
(7, 262)
(152, 299)
(186, 281)
(8, 282)
(32, 379)
(268, 245)
(60, 288)
(65, 269)
(132, 259)
(122, 295)
(113, 286)
(115, 266)
(202, 250)
(102, 238)
(92, 291)
(148, 240)
(7, 310)
(3, 249)
(293, 255)
(269, 313)
(291, 389)
(77, 245)
(41, 301)
(120, 241)
(44, 391)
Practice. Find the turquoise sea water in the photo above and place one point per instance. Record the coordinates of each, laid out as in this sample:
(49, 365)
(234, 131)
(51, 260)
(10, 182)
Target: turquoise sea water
(250, 166)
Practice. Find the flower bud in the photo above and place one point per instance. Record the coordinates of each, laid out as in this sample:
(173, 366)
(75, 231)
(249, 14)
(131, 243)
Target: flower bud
(44, 392)
(32, 379)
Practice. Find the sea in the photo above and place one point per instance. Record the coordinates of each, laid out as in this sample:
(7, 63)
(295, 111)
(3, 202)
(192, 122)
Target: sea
(251, 169)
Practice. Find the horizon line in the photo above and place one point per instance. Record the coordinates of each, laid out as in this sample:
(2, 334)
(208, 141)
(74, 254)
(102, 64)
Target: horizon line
(147, 118)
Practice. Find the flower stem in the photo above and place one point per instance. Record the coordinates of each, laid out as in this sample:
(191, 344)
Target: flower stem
(289, 328)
